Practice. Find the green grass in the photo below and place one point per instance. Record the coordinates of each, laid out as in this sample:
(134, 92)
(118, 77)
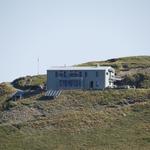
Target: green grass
(130, 132)
(82, 120)
(125, 63)
(28, 81)
(79, 120)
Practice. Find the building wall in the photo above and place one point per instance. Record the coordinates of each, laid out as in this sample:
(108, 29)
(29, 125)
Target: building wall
(95, 79)
(110, 74)
(98, 81)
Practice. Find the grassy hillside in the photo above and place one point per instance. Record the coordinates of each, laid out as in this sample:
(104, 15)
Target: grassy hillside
(6, 89)
(80, 120)
(111, 119)
(123, 64)
(29, 81)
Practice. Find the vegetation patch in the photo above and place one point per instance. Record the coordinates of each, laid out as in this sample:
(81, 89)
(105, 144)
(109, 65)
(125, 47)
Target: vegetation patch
(113, 119)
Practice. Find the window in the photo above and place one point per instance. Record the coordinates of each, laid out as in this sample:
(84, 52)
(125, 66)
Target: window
(64, 73)
(79, 83)
(85, 74)
(97, 83)
(56, 74)
(80, 74)
(75, 73)
(76, 83)
(65, 83)
(70, 83)
(61, 83)
(60, 74)
(97, 73)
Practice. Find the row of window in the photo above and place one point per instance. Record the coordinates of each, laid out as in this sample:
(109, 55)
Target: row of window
(70, 83)
(72, 74)
(76, 84)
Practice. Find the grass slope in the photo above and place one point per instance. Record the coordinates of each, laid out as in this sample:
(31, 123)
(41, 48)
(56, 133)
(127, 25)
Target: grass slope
(111, 119)
(86, 120)
(29, 81)
(124, 63)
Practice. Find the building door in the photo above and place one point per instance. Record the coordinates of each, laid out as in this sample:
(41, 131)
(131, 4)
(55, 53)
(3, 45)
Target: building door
(91, 84)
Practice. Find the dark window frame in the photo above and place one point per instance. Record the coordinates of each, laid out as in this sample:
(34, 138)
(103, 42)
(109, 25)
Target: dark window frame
(56, 74)
(97, 73)
(86, 74)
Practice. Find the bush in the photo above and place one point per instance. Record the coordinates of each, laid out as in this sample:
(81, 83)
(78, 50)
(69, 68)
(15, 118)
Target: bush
(138, 80)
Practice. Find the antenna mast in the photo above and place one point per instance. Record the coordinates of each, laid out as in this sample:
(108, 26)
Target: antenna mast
(38, 61)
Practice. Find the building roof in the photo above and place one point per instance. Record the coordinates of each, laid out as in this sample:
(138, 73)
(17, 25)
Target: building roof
(81, 68)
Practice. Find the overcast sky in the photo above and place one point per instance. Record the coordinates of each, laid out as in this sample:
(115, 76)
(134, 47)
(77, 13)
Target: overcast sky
(69, 32)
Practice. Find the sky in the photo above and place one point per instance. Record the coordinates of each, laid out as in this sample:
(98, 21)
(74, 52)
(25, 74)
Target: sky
(68, 32)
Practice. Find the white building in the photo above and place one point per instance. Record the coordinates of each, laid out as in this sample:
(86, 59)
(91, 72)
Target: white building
(67, 78)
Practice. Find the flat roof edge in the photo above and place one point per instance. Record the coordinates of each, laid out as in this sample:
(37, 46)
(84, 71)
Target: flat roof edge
(80, 68)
